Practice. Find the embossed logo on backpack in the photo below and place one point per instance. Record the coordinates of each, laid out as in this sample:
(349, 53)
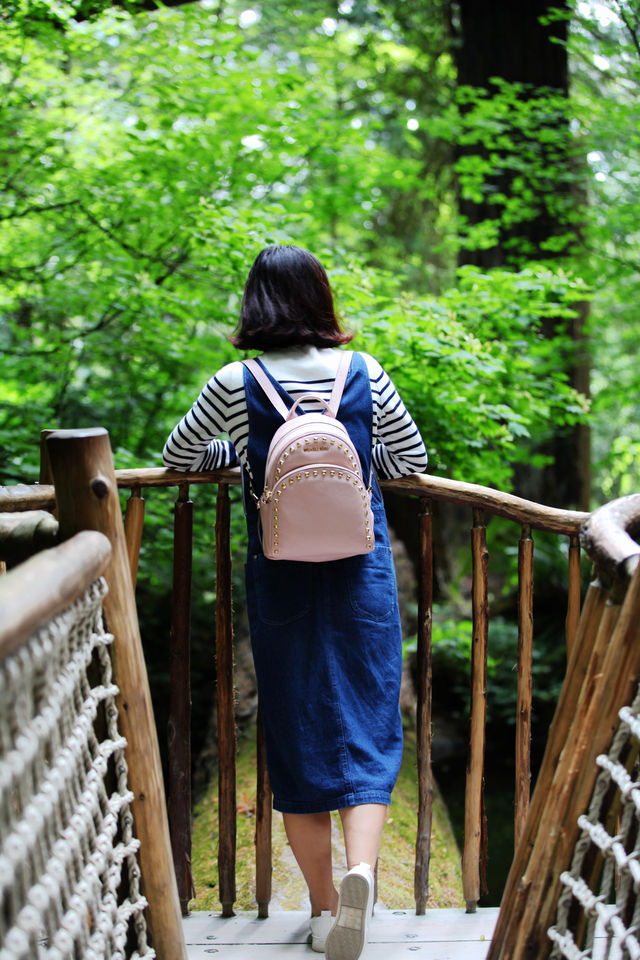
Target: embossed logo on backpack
(314, 444)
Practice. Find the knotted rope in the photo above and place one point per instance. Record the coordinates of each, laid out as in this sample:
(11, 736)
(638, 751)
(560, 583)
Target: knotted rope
(69, 876)
(601, 887)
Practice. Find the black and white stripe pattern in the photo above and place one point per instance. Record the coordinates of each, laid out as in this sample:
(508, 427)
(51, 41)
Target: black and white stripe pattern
(221, 408)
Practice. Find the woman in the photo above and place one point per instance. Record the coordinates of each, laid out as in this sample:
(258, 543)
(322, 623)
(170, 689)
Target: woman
(325, 636)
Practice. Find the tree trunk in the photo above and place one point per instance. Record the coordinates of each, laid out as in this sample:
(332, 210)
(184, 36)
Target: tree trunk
(500, 38)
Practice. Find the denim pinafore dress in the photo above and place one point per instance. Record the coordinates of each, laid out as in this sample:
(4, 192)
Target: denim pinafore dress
(326, 641)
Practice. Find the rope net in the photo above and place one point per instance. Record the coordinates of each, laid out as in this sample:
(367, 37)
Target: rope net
(69, 876)
(599, 908)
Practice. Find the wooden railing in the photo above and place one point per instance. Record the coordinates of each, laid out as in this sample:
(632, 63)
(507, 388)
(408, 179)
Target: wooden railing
(482, 502)
(582, 828)
(88, 540)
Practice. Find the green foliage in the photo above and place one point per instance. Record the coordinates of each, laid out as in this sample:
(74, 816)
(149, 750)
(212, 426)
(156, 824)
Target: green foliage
(520, 165)
(556, 177)
(109, 295)
(474, 366)
(139, 187)
(605, 52)
(621, 478)
(452, 632)
(452, 671)
(451, 663)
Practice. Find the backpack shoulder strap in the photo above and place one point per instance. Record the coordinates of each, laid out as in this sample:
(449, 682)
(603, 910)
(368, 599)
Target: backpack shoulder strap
(336, 394)
(338, 385)
(254, 367)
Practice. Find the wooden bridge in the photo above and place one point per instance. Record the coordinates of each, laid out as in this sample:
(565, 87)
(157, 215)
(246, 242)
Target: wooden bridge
(435, 935)
(603, 658)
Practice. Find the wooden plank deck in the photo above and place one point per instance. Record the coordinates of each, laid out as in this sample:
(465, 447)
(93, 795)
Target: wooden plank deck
(444, 934)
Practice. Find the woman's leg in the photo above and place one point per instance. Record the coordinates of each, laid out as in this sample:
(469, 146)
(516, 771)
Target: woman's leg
(362, 827)
(309, 835)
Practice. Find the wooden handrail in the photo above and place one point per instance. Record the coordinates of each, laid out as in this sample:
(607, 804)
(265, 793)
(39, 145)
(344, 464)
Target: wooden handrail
(609, 534)
(539, 516)
(24, 533)
(263, 824)
(492, 501)
(23, 496)
(39, 592)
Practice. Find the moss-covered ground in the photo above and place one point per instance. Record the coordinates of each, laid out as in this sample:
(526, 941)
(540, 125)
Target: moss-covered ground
(395, 871)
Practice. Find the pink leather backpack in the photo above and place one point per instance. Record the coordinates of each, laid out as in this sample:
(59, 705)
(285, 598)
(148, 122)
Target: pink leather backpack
(315, 505)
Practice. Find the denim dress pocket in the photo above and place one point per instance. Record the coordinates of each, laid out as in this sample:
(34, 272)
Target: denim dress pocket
(280, 589)
(371, 585)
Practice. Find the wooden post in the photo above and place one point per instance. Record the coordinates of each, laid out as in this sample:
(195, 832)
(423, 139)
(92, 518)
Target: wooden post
(474, 850)
(424, 692)
(45, 466)
(226, 713)
(610, 683)
(263, 827)
(573, 601)
(179, 726)
(525, 661)
(87, 499)
(133, 524)
(582, 655)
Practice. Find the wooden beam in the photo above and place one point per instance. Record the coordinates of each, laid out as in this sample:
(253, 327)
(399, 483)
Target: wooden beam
(423, 712)
(23, 534)
(539, 516)
(525, 680)
(133, 526)
(227, 829)
(474, 851)
(264, 805)
(24, 496)
(573, 598)
(179, 726)
(609, 537)
(87, 498)
(46, 584)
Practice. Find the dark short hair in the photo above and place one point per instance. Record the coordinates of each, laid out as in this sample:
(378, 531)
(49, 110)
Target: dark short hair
(287, 302)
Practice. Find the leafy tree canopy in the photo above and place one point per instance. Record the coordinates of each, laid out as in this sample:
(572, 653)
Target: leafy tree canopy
(148, 157)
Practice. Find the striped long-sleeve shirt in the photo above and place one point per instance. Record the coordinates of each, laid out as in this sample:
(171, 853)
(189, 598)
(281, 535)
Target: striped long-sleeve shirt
(221, 408)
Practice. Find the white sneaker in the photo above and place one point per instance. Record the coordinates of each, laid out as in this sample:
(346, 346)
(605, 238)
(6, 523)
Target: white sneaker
(348, 935)
(320, 927)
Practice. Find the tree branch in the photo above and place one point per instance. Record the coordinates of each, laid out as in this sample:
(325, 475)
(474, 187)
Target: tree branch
(631, 28)
(38, 208)
(110, 314)
(171, 264)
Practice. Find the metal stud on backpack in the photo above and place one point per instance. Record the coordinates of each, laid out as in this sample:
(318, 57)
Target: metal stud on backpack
(315, 505)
